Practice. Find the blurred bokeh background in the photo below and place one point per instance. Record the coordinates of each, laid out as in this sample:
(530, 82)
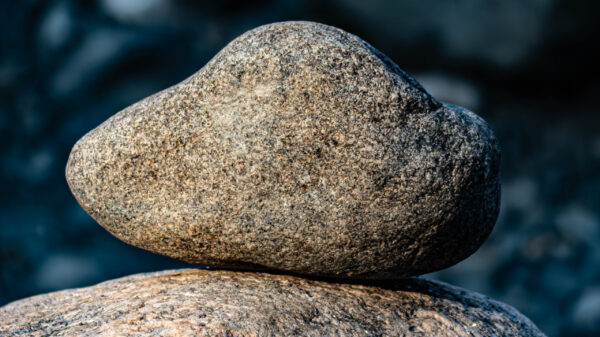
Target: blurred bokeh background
(527, 66)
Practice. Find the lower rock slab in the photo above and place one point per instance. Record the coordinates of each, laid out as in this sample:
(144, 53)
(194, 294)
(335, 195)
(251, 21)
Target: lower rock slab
(195, 302)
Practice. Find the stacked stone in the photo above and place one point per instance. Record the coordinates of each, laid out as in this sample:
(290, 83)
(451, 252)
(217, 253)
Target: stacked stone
(299, 149)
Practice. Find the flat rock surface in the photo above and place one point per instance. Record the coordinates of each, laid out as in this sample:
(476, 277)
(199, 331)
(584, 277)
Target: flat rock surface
(197, 302)
(298, 147)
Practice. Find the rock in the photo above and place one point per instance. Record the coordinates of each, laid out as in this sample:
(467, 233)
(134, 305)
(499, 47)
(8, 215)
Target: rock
(197, 302)
(298, 147)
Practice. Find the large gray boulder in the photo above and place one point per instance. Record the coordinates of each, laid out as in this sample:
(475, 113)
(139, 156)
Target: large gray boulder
(221, 303)
(298, 147)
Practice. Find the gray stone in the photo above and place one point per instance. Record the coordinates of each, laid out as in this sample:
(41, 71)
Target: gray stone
(222, 303)
(298, 147)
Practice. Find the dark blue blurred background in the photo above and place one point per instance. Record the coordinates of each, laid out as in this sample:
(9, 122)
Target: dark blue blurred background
(525, 65)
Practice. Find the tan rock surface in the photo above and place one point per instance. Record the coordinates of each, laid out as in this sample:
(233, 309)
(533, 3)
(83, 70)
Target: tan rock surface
(299, 147)
(223, 303)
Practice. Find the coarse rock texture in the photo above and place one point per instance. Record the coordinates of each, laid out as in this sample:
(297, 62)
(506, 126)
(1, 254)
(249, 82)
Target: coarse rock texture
(197, 302)
(298, 147)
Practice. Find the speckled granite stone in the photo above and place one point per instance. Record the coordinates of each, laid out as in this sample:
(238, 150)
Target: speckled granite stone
(221, 303)
(298, 147)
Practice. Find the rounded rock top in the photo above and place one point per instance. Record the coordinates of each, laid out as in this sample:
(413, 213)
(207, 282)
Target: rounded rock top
(299, 147)
(224, 303)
